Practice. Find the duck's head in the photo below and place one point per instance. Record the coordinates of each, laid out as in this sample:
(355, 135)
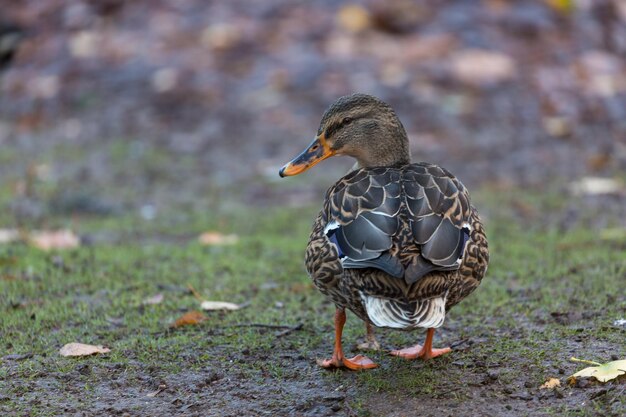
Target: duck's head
(360, 126)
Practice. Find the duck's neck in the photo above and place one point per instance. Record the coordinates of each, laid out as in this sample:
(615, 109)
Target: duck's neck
(388, 153)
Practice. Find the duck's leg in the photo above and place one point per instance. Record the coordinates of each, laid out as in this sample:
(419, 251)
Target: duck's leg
(370, 339)
(338, 359)
(419, 351)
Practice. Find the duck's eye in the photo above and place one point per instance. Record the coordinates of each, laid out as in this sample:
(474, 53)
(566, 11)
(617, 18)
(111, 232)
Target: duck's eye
(346, 121)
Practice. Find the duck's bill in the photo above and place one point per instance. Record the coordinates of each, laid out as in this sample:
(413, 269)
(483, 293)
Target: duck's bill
(316, 152)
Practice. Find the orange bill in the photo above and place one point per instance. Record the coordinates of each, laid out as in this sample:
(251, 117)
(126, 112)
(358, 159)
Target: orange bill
(316, 152)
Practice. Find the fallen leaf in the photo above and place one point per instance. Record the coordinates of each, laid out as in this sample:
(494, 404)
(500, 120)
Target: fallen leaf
(59, 239)
(482, 67)
(84, 44)
(353, 18)
(190, 318)
(218, 305)
(599, 161)
(221, 36)
(8, 235)
(595, 186)
(81, 349)
(601, 372)
(562, 6)
(155, 299)
(557, 126)
(217, 238)
(551, 383)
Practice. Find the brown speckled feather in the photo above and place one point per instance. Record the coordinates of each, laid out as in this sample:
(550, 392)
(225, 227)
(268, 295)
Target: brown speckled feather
(398, 246)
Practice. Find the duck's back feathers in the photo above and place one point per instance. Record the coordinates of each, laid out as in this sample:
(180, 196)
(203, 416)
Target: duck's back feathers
(406, 221)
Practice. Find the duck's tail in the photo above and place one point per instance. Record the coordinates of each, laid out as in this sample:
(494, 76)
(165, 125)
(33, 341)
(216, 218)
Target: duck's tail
(383, 312)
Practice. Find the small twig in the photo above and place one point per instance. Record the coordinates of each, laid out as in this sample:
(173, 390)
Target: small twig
(459, 343)
(194, 292)
(263, 325)
(442, 394)
(285, 329)
(289, 330)
(161, 388)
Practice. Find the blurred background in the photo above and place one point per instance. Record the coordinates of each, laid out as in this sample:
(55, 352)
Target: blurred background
(149, 133)
(112, 107)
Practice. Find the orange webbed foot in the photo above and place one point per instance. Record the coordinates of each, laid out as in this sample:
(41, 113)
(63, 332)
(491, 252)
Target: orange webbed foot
(425, 352)
(358, 363)
(329, 363)
(408, 353)
(419, 351)
(433, 353)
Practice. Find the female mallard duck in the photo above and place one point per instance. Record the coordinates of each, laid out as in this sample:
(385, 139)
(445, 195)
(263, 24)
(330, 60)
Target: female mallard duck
(396, 243)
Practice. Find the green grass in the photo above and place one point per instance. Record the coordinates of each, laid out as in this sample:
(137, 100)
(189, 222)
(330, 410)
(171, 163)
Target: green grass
(94, 295)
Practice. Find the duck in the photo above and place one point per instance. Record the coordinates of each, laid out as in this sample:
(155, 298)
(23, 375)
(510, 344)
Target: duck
(396, 243)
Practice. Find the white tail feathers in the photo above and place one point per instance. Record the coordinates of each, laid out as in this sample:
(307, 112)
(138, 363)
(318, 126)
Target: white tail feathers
(397, 315)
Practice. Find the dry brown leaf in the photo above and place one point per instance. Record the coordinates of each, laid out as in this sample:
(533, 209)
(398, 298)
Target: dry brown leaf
(596, 186)
(478, 66)
(217, 238)
(58, 239)
(353, 18)
(190, 318)
(155, 299)
(599, 161)
(219, 305)
(551, 383)
(221, 36)
(9, 235)
(557, 126)
(81, 349)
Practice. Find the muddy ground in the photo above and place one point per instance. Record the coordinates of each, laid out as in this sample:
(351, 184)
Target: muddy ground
(140, 125)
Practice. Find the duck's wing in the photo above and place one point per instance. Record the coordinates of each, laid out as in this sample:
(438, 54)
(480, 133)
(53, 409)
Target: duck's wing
(363, 216)
(421, 209)
(439, 210)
